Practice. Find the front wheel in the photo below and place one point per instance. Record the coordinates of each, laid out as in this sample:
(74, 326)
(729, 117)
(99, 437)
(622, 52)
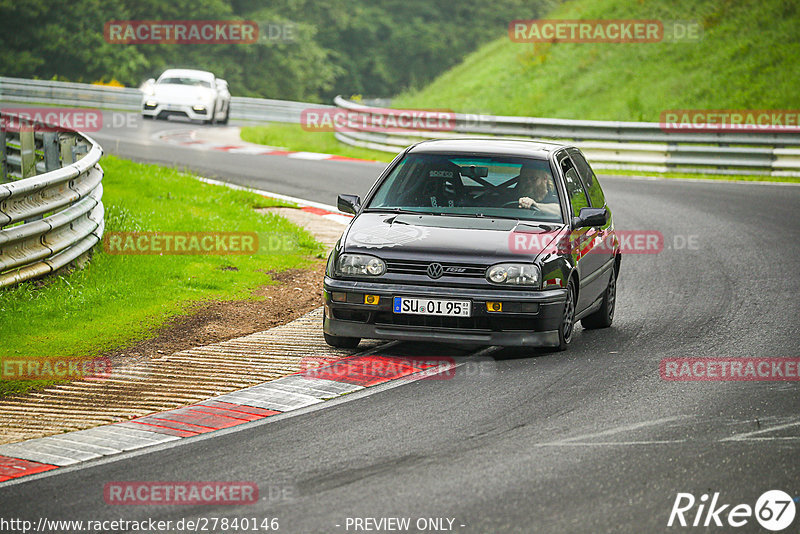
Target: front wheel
(567, 326)
(603, 317)
(341, 342)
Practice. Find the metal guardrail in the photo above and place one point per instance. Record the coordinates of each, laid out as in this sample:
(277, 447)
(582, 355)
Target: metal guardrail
(51, 212)
(127, 99)
(638, 146)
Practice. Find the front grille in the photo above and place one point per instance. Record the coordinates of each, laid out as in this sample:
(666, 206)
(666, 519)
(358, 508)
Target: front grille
(465, 270)
(496, 323)
(432, 321)
(169, 113)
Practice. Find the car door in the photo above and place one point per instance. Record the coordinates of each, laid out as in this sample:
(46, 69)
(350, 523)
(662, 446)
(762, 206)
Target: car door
(603, 246)
(582, 240)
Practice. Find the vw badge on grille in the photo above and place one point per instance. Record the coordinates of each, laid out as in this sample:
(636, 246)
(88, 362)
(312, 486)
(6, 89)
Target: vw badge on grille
(435, 270)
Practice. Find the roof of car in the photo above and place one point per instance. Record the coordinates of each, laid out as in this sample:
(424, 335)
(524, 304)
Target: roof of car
(189, 73)
(493, 146)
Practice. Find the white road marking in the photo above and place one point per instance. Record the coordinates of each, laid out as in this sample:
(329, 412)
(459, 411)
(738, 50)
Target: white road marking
(584, 439)
(747, 435)
(607, 443)
(309, 155)
(287, 198)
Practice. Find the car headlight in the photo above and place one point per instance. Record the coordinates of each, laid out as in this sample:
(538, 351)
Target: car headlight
(151, 103)
(360, 265)
(521, 274)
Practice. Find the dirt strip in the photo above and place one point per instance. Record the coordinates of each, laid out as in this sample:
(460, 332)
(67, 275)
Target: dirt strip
(180, 367)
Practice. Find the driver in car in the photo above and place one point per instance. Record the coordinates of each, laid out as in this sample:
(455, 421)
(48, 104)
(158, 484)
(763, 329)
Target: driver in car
(537, 190)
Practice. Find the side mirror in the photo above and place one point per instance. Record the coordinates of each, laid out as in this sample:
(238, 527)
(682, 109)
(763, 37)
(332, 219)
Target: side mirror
(590, 217)
(348, 203)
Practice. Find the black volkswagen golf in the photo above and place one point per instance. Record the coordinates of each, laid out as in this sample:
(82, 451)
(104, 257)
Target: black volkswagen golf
(475, 241)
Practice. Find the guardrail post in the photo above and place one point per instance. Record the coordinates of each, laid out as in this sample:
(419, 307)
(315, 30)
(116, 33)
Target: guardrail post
(78, 151)
(50, 147)
(27, 151)
(3, 154)
(67, 157)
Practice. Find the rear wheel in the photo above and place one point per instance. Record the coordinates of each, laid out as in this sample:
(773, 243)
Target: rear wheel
(603, 317)
(341, 342)
(567, 326)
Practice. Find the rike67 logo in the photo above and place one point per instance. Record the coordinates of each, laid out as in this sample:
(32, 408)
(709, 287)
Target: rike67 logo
(774, 510)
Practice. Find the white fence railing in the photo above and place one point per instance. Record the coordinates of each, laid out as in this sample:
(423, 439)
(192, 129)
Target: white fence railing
(51, 212)
(640, 146)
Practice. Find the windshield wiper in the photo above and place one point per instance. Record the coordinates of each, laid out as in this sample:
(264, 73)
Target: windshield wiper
(399, 210)
(441, 213)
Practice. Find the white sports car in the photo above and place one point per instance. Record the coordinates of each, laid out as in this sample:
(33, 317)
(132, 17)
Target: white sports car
(195, 94)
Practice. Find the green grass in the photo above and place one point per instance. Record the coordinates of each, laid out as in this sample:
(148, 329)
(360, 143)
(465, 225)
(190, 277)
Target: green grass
(120, 299)
(300, 139)
(698, 176)
(745, 60)
(293, 137)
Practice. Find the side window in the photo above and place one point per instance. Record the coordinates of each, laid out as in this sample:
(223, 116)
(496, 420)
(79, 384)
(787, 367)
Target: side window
(589, 179)
(577, 195)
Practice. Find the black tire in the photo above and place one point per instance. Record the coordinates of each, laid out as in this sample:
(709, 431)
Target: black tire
(147, 117)
(603, 317)
(341, 342)
(213, 118)
(227, 115)
(567, 327)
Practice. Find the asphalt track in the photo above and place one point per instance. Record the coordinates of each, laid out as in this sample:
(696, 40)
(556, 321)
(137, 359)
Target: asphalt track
(588, 440)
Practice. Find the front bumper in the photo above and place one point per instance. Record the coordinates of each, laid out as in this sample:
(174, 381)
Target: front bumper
(531, 320)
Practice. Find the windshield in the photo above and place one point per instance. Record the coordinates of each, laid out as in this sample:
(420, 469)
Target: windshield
(459, 185)
(184, 81)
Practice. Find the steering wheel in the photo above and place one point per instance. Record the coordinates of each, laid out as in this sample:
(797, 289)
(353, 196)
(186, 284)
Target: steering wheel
(515, 204)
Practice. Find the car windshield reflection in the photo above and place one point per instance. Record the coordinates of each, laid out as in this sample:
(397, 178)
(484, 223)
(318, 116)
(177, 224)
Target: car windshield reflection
(471, 186)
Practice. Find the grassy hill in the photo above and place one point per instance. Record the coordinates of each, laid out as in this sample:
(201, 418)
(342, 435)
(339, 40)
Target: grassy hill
(746, 59)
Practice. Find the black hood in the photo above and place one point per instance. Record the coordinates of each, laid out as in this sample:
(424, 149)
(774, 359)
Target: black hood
(439, 237)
